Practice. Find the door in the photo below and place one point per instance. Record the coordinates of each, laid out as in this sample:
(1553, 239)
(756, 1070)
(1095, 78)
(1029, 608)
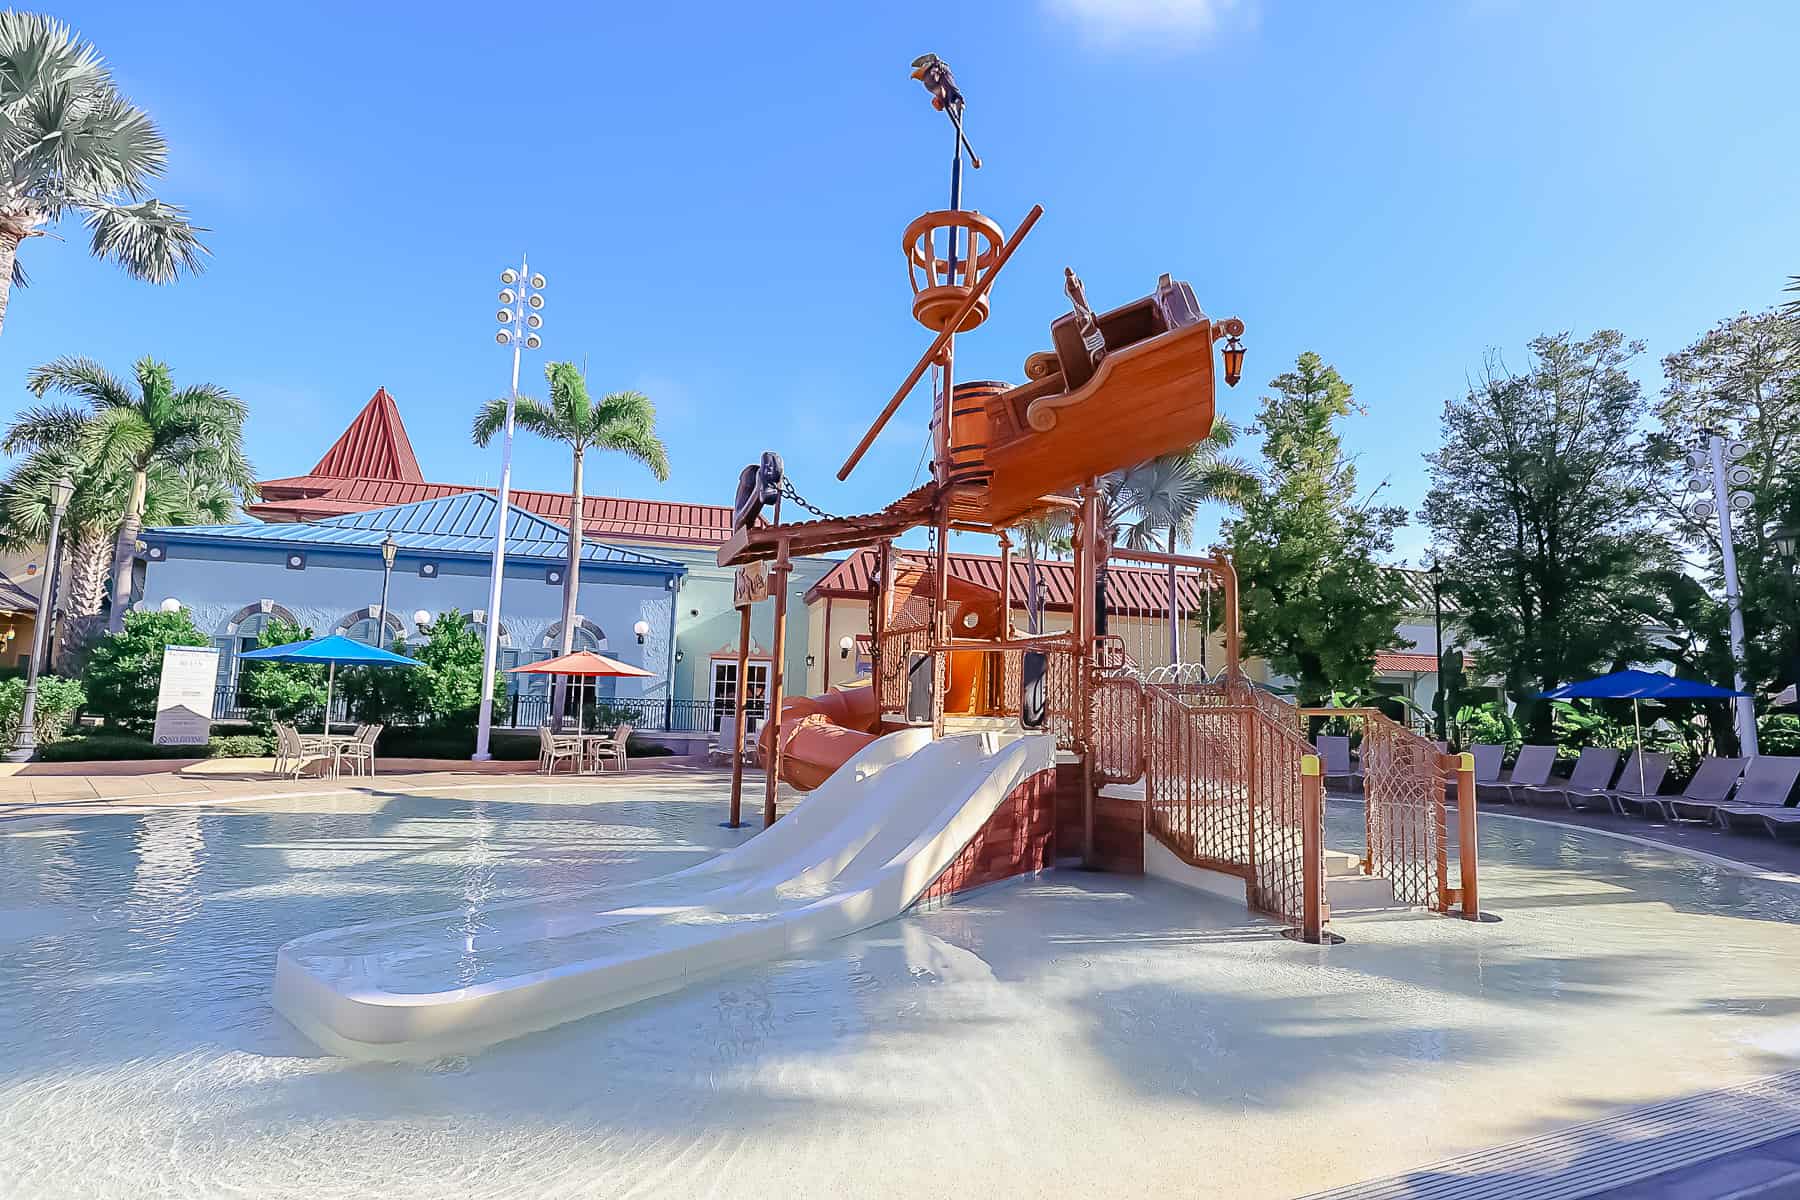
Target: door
(724, 691)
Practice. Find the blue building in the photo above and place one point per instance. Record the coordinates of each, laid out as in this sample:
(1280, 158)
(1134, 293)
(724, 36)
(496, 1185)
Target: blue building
(327, 575)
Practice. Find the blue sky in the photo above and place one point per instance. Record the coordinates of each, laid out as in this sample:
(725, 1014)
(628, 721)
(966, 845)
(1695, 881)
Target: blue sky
(716, 193)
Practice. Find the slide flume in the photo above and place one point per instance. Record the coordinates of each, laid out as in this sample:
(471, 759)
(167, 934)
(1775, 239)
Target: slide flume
(859, 850)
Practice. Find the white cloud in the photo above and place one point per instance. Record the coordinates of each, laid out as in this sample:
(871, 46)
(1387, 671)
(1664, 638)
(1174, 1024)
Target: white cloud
(1162, 21)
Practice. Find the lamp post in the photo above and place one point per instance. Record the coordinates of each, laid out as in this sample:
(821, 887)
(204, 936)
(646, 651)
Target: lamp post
(389, 548)
(520, 317)
(26, 746)
(1437, 641)
(1717, 471)
(1787, 543)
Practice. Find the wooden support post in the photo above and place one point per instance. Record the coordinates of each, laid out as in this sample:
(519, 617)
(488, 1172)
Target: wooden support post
(1005, 584)
(1087, 547)
(778, 587)
(1466, 837)
(740, 716)
(1312, 869)
(881, 668)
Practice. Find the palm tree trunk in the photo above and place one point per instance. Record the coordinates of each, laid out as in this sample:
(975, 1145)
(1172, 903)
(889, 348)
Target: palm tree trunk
(9, 252)
(1174, 618)
(125, 553)
(86, 585)
(571, 584)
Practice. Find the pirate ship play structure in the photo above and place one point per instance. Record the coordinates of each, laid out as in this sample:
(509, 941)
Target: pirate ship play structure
(975, 751)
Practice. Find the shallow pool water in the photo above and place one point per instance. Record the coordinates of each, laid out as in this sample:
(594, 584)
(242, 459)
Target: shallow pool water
(1069, 1033)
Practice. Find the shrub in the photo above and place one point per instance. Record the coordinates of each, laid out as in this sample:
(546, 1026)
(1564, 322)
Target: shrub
(1487, 724)
(115, 747)
(283, 691)
(124, 668)
(57, 700)
(443, 692)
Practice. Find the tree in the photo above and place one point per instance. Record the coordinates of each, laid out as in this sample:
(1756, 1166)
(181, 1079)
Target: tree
(1741, 379)
(1540, 511)
(73, 144)
(289, 692)
(449, 674)
(134, 433)
(622, 422)
(124, 671)
(1315, 602)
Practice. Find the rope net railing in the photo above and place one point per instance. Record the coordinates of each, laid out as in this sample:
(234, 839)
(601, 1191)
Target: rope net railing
(1404, 778)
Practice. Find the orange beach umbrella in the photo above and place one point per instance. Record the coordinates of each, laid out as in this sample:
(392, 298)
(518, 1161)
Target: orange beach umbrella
(584, 663)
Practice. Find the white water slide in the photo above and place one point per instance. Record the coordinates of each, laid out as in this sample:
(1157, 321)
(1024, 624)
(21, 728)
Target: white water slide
(860, 849)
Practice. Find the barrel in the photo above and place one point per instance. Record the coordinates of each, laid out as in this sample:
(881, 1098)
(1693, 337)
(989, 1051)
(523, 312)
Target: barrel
(969, 430)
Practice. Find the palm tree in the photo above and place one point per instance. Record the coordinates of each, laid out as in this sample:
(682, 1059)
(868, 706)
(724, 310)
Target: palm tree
(187, 442)
(1164, 495)
(624, 422)
(70, 143)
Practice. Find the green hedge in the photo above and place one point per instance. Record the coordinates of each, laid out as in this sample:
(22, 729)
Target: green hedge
(116, 747)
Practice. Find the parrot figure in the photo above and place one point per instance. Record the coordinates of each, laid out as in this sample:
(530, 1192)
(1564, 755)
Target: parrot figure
(934, 73)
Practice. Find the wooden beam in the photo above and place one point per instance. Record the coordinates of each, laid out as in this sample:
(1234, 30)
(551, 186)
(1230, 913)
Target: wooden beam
(942, 339)
(778, 584)
(743, 694)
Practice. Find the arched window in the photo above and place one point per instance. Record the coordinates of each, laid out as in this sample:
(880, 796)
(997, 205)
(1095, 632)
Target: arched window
(361, 625)
(588, 636)
(243, 629)
(509, 657)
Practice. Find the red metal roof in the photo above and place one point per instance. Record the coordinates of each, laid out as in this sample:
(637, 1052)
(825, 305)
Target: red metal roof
(375, 446)
(1131, 591)
(372, 466)
(1411, 661)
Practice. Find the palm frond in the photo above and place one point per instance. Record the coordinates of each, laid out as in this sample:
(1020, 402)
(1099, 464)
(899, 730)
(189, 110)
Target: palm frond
(44, 427)
(117, 438)
(151, 239)
(74, 375)
(639, 444)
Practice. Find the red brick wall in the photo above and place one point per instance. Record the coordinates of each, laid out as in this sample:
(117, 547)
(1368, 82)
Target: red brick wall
(1018, 839)
(1118, 825)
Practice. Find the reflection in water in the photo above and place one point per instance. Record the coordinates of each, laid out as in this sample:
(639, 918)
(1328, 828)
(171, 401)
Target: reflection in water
(170, 849)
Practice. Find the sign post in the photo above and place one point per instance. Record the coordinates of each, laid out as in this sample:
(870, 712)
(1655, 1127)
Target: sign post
(184, 697)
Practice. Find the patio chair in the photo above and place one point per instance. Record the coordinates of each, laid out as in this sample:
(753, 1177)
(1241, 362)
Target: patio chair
(1530, 770)
(1334, 757)
(1768, 784)
(360, 752)
(553, 749)
(295, 753)
(1593, 772)
(1712, 782)
(611, 750)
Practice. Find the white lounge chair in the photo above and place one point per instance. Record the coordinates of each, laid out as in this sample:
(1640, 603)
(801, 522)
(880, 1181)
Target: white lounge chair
(552, 749)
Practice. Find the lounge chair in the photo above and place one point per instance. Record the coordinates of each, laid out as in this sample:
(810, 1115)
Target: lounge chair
(1487, 770)
(1593, 772)
(553, 749)
(1334, 756)
(1712, 782)
(1530, 770)
(1768, 784)
(1642, 776)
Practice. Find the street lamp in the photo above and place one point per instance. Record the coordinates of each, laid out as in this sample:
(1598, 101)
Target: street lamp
(1721, 480)
(389, 548)
(26, 746)
(520, 317)
(1437, 621)
(1787, 542)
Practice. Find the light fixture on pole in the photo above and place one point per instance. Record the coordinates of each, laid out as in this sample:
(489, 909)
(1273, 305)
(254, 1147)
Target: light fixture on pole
(1721, 480)
(520, 317)
(25, 747)
(389, 548)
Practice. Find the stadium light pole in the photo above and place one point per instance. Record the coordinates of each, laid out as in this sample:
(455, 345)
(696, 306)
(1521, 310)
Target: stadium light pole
(520, 317)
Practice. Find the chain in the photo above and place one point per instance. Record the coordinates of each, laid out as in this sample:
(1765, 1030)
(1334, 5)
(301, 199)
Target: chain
(787, 490)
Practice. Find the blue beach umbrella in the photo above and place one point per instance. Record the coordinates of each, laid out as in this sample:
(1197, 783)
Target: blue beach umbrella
(1635, 686)
(331, 651)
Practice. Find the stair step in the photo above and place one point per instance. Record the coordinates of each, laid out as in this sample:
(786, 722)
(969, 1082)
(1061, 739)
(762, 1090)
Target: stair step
(1352, 893)
(1339, 863)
